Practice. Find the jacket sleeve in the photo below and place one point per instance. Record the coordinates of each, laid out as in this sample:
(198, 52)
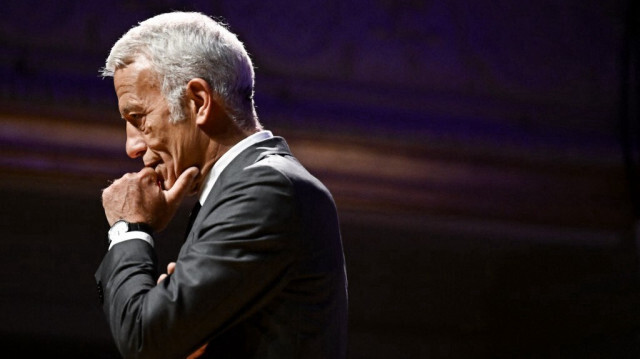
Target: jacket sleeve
(242, 255)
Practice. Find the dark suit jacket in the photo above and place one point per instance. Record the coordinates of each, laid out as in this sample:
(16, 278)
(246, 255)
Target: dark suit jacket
(261, 274)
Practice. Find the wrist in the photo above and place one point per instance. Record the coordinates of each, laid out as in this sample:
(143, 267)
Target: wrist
(122, 231)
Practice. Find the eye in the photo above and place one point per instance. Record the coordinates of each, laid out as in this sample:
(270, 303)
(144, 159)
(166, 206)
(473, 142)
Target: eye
(136, 119)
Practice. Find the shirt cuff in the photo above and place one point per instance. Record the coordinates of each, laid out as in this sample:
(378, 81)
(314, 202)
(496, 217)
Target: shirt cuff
(132, 235)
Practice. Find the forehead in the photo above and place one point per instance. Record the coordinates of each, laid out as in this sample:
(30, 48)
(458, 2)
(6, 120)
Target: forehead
(136, 79)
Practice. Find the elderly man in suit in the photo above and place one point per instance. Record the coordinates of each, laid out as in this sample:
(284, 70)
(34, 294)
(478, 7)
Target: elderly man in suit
(261, 273)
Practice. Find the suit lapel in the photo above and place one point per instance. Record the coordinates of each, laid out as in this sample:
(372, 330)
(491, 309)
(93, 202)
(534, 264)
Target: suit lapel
(254, 153)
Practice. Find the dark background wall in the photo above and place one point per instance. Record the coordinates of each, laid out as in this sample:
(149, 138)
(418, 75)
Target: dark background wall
(482, 156)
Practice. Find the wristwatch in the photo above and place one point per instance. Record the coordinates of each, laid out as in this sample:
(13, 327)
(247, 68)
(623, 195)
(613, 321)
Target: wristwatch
(123, 230)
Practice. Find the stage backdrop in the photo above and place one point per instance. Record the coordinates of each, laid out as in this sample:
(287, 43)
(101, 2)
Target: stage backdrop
(482, 156)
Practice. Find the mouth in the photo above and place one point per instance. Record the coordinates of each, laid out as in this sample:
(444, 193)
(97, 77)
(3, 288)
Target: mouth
(160, 181)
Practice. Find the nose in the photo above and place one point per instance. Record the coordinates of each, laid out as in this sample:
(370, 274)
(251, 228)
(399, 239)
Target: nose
(135, 144)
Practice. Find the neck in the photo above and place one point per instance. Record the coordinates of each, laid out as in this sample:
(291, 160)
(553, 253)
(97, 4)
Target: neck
(219, 144)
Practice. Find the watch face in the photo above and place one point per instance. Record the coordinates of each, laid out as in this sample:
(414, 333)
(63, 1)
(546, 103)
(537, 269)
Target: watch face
(119, 228)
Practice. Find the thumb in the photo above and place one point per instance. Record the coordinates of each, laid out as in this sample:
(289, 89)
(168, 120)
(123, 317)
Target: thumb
(182, 186)
(171, 267)
(161, 278)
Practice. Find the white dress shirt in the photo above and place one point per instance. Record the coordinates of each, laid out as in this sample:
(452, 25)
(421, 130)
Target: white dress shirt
(226, 158)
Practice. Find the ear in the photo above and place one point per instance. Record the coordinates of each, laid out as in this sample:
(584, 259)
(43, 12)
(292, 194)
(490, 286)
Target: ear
(201, 100)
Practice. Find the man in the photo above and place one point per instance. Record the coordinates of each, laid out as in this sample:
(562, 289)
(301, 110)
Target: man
(261, 272)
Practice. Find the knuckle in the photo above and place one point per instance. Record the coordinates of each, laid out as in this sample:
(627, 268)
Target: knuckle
(146, 171)
(147, 174)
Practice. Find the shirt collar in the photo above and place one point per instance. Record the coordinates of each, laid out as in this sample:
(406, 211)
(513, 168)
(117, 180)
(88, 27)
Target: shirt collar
(226, 158)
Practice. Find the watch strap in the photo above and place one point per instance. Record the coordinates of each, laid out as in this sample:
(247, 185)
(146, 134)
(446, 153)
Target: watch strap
(140, 227)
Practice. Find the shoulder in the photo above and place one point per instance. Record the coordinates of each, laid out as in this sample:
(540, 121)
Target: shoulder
(267, 171)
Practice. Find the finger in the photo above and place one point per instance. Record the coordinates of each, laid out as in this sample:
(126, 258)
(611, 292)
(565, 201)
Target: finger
(171, 267)
(146, 171)
(198, 352)
(161, 278)
(182, 185)
(149, 175)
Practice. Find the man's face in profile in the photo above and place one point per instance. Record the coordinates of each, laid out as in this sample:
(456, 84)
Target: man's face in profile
(168, 148)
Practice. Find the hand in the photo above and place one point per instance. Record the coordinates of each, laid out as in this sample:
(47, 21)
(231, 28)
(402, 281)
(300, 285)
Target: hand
(198, 352)
(137, 197)
(171, 267)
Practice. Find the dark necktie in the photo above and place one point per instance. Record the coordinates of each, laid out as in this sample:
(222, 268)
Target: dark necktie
(192, 217)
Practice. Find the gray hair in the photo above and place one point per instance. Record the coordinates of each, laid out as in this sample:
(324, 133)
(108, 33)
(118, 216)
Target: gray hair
(185, 45)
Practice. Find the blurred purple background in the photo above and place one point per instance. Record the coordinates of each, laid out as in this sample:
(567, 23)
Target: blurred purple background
(483, 156)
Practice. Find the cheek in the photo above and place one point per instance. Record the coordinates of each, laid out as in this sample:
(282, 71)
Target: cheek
(162, 149)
